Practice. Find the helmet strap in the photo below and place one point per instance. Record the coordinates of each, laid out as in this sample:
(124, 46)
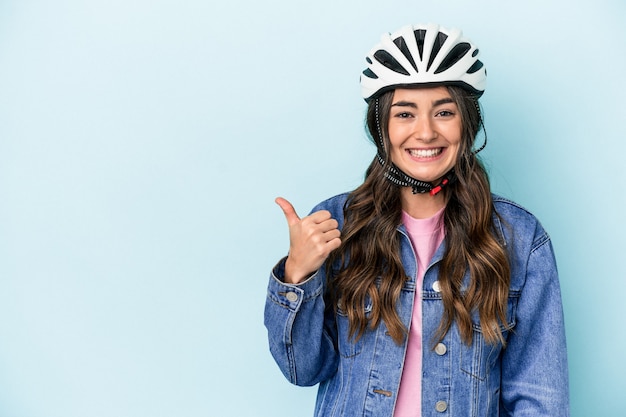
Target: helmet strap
(481, 126)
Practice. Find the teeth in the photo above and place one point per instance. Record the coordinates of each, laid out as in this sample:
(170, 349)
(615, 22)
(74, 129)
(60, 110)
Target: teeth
(425, 153)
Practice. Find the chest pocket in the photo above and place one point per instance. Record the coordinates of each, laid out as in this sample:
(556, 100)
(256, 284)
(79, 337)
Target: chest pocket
(478, 358)
(349, 346)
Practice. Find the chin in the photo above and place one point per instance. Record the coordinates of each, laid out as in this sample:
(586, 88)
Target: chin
(427, 178)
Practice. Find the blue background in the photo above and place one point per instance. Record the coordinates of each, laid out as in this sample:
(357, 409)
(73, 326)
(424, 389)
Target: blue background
(142, 143)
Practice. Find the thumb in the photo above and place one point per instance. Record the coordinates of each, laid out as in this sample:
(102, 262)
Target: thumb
(290, 212)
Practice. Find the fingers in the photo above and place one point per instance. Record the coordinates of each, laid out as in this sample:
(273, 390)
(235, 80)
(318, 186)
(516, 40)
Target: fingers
(331, 240)
(290, 213)
(326, 230)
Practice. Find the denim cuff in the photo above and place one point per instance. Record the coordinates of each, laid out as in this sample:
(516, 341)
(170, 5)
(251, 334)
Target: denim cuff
(292, 295)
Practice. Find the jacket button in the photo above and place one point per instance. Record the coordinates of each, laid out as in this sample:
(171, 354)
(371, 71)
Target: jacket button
(441, 349)
(436, 286)
(441, 406)
(292, 296)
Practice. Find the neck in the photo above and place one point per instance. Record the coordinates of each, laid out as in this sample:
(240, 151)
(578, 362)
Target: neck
(421, 206)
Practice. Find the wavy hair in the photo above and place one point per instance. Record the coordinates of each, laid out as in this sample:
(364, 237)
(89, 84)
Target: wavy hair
(369, 256)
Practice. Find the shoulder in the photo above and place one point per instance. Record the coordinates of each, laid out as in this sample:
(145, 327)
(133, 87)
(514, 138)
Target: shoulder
(518, 223)
(334, 205)
(509, 208)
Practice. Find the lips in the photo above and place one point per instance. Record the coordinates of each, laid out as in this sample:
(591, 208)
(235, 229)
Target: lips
(425, 153)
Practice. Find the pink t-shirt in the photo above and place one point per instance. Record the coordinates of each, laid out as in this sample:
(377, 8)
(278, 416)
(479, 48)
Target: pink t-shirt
(426, 235)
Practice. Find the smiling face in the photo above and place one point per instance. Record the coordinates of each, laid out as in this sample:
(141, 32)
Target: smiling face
(425, 132)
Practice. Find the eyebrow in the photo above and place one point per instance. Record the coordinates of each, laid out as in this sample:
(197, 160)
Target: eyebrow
(436, 103)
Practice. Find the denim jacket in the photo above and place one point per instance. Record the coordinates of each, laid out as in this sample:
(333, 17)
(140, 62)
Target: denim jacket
(528, 377)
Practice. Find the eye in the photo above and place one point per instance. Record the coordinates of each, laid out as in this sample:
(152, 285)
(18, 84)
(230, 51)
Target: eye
(403, 115)
(445, 113)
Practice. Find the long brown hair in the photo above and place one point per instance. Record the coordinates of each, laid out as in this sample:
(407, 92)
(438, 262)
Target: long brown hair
(371, 266)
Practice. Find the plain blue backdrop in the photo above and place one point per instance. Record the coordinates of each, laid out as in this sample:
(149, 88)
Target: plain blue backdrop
(142, 143)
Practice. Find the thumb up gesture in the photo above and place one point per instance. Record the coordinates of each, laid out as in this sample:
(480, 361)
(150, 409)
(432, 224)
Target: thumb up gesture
(311, 239)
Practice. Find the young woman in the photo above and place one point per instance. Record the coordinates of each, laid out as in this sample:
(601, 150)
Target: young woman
(420, 293)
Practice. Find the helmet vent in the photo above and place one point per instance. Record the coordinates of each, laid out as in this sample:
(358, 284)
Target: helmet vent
(420, 34)
(401, 44)
(389, 61)
(439, 41)
(475, 67)
(370, 74)
(453, 56)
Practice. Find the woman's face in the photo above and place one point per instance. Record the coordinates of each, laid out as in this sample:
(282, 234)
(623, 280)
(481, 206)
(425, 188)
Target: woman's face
(424, 131)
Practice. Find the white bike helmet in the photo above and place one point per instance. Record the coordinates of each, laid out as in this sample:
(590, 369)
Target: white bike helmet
(423, 54)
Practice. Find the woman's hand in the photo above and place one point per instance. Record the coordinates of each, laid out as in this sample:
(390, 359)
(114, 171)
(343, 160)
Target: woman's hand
(311, 239)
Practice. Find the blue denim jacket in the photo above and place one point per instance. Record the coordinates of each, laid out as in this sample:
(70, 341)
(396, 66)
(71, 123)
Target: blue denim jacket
(527, 378)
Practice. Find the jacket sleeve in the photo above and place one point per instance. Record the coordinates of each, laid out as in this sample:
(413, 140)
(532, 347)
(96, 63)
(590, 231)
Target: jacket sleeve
(301, 332)
(534, 363)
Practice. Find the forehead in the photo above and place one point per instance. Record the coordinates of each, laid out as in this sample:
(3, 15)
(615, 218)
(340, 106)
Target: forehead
(421, 94)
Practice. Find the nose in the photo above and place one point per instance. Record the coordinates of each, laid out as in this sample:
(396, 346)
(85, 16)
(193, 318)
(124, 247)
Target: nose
(424, 130)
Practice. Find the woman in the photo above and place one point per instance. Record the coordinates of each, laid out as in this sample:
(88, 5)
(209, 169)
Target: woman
(420, 293)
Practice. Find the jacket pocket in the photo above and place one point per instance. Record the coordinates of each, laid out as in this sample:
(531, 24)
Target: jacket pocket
(349, 346)
(478, 358)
